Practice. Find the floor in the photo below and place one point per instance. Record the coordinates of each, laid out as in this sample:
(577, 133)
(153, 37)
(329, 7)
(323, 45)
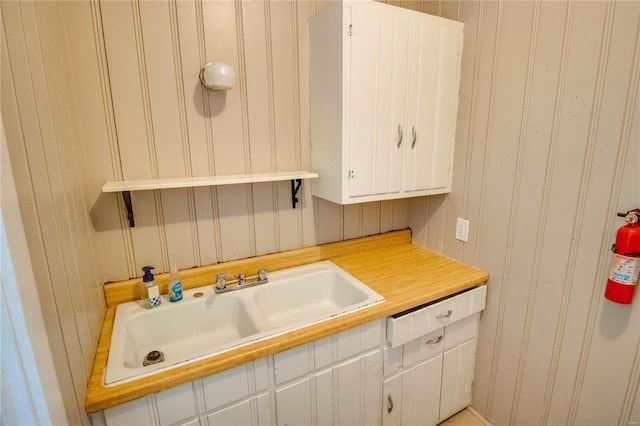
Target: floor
(464, 418)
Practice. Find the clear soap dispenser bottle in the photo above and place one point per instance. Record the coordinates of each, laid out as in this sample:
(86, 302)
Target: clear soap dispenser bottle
(175, 286)
(150, 292)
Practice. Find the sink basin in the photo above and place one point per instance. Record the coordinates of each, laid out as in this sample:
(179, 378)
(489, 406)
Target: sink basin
(205, 323)
(300, 296)
(187, 329)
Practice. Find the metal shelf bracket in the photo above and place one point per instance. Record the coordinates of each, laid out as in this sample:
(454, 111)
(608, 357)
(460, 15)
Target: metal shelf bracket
(295, 187)
(126, 197)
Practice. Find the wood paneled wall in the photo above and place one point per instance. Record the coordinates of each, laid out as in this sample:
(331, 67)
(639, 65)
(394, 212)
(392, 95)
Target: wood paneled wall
(160, 122)
(547, 151)
(38, 116)
(105, 90)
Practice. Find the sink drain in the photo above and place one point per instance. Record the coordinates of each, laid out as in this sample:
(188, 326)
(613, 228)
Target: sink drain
(153, 357)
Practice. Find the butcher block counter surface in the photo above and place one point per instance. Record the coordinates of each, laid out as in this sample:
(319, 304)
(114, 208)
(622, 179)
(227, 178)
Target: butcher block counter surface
(403, 273)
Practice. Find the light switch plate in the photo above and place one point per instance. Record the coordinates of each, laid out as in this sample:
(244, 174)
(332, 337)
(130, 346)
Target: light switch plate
(462, 230)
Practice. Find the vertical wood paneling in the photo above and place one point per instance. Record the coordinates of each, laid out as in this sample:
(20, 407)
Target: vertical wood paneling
(39, 116)
(544, 71)
(132, 118)
(259, 79)
(370, 219)
(164, 76)
(546, 150)
(83, 24)
(456, 201)
(227, 115)
(611, 112)
(286, 114)
(49, 189)
(200, 143)
(305, 11)
(547, 100)
(260, 125)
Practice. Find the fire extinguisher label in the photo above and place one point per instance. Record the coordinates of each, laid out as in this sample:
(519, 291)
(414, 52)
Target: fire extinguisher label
(625, 270)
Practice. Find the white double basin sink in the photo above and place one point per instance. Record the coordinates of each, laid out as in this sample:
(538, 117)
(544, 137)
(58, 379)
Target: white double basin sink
(205, 324)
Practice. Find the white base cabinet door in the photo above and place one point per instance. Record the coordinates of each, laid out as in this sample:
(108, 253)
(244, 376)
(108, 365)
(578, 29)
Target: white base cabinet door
(252, 411)
(293, 404)
(392, 401)
(421, 393)
(457, 378)
(346, 394)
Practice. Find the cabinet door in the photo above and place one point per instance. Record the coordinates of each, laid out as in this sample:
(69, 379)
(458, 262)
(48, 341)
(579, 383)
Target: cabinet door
(235, 415)
(377, 99)
(255, 411)
(392, 401)
(421, 393)
(435, 52)
(293, 404)
(457, 378)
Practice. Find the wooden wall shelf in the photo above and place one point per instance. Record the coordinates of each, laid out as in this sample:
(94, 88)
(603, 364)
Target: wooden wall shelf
(126, 186)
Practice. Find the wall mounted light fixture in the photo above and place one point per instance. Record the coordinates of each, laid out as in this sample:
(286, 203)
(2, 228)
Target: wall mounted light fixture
(217, 76)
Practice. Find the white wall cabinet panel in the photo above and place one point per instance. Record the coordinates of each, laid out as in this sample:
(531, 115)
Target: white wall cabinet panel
(384, 84)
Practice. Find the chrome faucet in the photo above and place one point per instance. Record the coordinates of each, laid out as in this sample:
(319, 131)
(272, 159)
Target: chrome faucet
(221, 282)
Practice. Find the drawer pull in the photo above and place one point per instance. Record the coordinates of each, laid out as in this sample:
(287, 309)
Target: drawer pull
(390, 408)
(447, 315)
(434, 341)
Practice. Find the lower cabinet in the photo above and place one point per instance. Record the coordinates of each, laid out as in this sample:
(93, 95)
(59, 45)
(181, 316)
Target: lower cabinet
(335, 380)
(430, 378)
(417, 371)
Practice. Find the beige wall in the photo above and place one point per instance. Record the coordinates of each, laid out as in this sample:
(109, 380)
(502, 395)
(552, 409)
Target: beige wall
(546, 152)
(44, 149)
(159, 122)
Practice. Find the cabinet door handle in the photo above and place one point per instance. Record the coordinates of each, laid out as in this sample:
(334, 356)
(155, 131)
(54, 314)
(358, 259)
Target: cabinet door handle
(399, 136)
(447, 315)
(434, 341)
(415, 136)
(390, 407)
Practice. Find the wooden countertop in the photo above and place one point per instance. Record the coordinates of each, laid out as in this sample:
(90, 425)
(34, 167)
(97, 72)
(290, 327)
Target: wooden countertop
(405, 274)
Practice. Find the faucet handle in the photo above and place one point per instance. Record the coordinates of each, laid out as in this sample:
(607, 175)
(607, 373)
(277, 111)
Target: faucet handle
(262, 274)
(220, 282)
(242, 279)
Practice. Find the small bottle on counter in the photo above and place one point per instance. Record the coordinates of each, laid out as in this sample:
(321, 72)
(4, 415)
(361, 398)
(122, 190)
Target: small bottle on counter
(150, 292)
(175, 286)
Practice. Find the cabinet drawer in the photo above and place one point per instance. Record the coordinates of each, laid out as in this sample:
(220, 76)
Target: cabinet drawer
(414, 324)
(469, 302)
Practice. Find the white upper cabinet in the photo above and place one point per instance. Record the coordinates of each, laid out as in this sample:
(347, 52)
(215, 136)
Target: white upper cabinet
(384, 97)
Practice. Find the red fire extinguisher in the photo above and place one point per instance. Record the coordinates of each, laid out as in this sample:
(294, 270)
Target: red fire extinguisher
(625, 268)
